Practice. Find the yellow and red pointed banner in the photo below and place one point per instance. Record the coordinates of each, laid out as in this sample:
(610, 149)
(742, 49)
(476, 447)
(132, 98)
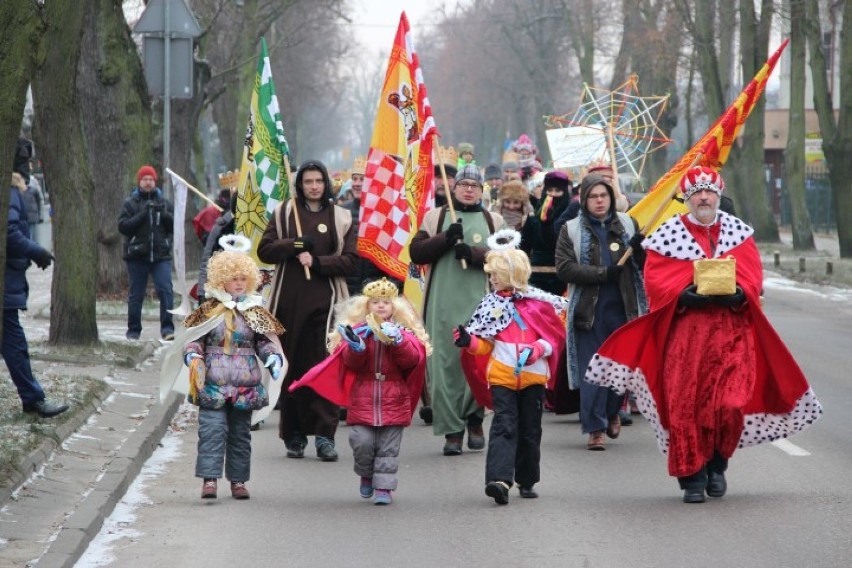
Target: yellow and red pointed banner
(711, 150)
(398, 179)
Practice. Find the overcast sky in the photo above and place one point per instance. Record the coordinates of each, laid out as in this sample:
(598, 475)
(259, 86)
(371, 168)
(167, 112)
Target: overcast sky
(375, 21)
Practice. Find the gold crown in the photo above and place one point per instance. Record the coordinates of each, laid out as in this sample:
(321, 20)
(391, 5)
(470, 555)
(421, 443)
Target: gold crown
(359, 166)
(448, 156)
(229, 179)
(383, 288)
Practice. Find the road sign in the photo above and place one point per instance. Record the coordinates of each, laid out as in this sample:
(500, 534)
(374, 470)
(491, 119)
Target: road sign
(181, 20)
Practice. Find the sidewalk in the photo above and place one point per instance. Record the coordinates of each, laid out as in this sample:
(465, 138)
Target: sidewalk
(69, 490)
(65, 492)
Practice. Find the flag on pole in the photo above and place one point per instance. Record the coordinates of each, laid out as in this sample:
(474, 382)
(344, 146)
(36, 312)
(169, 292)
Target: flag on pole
(711, 150)
(178, 244)
(263, 178)
(398, 179)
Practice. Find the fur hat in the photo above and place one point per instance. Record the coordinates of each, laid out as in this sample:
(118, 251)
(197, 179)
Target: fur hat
(146, 170)
(557, 179)
(470, 172)
(701, 177)
(493, 171)
(463, 147)
(514, 190)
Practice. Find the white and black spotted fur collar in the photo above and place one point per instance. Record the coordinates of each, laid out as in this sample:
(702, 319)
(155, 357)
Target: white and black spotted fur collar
(674, 240)
(494, 313)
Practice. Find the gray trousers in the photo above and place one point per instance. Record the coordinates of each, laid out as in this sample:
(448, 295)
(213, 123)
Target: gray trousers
(376, 453)
(224, 435)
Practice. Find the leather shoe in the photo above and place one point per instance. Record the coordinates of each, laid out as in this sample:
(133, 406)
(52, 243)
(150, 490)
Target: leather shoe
(716, 484)
(453, 447)
(614, 428)
(239, 491)
(693, 495)
(326, 452)
(45, 408)
(475, 437)
(426, 415)
(498, 490)
(295, 449)
(527, 492)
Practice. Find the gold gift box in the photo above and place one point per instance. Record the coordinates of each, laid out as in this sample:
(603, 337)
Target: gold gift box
(715, 276)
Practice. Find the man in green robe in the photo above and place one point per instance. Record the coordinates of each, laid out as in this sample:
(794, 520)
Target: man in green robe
(452, 293)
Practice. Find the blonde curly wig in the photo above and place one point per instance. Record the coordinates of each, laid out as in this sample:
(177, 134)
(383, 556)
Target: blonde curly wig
(354, 311)
(511, 267)
(225, 265)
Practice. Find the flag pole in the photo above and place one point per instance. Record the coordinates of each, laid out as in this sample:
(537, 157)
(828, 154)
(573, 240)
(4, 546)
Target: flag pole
(197, 191)
(660, 210)
(295, 207)
(447, 189)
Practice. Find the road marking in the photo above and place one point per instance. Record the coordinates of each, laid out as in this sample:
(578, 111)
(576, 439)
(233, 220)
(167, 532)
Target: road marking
(790, 448)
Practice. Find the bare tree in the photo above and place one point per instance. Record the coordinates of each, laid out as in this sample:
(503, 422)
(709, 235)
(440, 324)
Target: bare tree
(794, 154)
(836, 132)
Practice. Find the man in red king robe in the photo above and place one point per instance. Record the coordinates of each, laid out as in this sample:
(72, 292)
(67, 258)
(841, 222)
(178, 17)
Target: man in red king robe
(710, 373)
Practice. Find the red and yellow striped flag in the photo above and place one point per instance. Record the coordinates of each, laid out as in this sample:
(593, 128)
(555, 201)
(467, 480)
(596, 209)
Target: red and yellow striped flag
(711, 150)
(398, 179)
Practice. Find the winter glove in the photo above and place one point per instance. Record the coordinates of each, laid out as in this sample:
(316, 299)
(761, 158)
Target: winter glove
(636, 242)
(43, 258)
(274, 364)
(461, 337)
(537, 351)
(392, 330)
(349, 336)
(613, 272)
(734, 300)
(189, 357)
(463, 252)
(304, 244)
(454, 233)
(689, 298)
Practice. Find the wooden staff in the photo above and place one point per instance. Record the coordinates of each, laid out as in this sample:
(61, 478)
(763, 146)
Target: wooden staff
(196, 190)
(660, 210)
(294, 206)
(447, 189)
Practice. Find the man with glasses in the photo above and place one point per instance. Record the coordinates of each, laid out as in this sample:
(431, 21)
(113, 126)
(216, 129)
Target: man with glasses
(452, 293)
(603, 296)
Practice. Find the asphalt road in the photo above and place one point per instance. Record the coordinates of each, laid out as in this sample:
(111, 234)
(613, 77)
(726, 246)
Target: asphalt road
(787, 504)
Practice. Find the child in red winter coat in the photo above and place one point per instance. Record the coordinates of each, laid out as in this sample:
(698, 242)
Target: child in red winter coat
(380, 346)
(512, 342)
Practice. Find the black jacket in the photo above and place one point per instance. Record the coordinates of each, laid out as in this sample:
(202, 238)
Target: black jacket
(146, 221)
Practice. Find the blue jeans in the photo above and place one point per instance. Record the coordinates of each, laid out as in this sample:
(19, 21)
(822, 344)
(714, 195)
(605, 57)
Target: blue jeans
(17, 357)
(161, 272)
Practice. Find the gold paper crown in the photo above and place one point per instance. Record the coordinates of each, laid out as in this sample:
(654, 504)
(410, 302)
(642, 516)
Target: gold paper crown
(229, 179)
(359, 166)
(383, 288)
(448, 156)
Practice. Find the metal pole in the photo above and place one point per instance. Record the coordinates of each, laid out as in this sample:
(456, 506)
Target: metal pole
(167, 96)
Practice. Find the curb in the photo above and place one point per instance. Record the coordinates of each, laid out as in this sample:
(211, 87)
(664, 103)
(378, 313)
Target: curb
(39, 456)
(86, 521)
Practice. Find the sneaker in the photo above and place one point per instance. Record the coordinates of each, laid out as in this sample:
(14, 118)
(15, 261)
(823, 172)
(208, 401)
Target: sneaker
(453, 447)
(475, 437)
(499, 491)
(168, 336)
(366, 488)
(527, 492)
(383, 497)
(239, 491)
(208, 490)
(45, 409)
(596, 442)
(326, 452)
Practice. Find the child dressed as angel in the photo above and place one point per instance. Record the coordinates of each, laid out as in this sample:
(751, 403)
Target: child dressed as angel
(379, 348)
(511, 346)
(230, 346)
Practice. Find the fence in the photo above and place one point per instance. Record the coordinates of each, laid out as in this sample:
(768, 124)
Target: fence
(817, 198)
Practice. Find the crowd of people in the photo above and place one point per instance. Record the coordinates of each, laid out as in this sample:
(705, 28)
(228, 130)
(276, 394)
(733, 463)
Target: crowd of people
(542, 294)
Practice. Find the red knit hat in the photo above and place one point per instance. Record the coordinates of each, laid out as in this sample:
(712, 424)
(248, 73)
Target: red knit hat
(146, 171)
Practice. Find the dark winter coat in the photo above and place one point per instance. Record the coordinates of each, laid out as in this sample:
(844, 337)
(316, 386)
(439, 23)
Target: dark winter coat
(19, 250)
(146, 221)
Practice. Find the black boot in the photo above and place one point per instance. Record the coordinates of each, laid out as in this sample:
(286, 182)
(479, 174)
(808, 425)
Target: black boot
(716, 483)
(693, 486)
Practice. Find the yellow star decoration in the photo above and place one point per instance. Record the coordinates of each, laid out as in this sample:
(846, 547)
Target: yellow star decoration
(251, 212)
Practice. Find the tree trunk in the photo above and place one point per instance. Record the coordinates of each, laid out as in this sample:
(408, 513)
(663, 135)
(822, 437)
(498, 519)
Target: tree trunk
(840, 146)
(748, 163)
(117, 126)
(18, 33)
(59, 122)
(794, 154)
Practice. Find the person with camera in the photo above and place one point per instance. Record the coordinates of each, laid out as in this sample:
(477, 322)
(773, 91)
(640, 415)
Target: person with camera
(146, 221)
